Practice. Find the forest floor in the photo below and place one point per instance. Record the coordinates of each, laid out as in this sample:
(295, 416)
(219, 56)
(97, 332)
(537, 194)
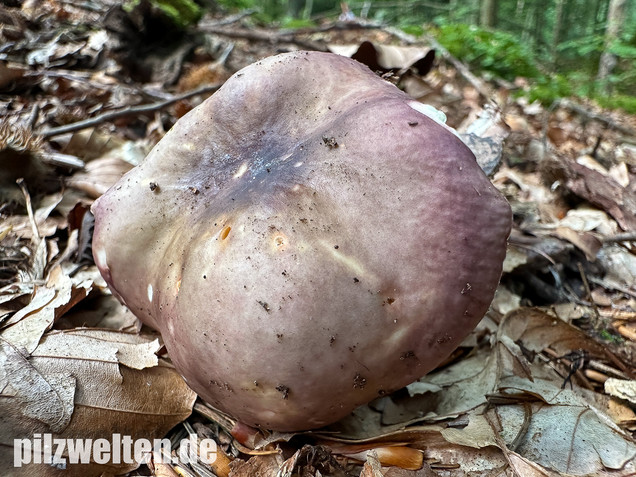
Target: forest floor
(546, 384)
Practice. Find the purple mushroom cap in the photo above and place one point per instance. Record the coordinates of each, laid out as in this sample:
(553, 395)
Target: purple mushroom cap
(306, 240)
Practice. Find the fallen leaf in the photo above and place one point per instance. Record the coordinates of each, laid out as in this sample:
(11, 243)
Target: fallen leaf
(9, 73)
(103, 346)
(584, 241)
(25, 328)
(621, 388)
(47, 399)
(257, 466)
(620, 264)
(379, 57)
(485, 136)
(109, 396)
(99, 176)
(100, 312)
(372, 467)
(604, 192)
(585, 219)
(537, 330)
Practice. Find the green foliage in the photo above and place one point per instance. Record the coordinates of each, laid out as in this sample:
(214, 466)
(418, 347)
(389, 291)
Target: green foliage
(279, 12)
(237, 4)
(548, 88)
(415, 30)
(623, 50)
(607, 335)
(587, 48)
(181, 12)
(618, 101)
(492, 51)
(295, 23)
(553, 71)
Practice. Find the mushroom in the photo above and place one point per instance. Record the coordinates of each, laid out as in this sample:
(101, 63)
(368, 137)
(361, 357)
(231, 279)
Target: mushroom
(306, 240)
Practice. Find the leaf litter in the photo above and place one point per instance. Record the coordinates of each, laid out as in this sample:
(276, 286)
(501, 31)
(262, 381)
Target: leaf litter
(543, 387)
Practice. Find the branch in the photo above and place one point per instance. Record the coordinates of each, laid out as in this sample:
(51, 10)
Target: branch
(255, 35)
(128, 111)
(577, 108)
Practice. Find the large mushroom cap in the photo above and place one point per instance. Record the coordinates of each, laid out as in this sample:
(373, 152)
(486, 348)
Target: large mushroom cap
(305, 240)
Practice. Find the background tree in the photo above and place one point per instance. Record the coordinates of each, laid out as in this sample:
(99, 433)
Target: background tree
(615, 20)
(488, 13)
(583, 48)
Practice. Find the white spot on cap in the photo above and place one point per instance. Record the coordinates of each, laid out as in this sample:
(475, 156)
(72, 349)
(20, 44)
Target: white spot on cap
(150, 292)
(435, 114)
(351, 262)
(428, 110)
(100, 258)
(241, 170)
(285, 157)
(298, 164)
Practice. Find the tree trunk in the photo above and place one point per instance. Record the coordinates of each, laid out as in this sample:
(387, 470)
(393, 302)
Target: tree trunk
(539, 21)
(526, 36)
(488, 13)
(307, 11)
(294, 8)
(556, 32)
(615, 20)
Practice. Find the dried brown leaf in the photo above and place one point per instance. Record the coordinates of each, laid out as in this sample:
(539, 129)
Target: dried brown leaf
(379, 57)
(621, 388)
(47, 399)
(257, 466)
(101, 312)
(99, 176)
(395, 455)
(604, 192)
(537, 331)
(110, 396)
(9, 73)
(372, 466)
(584, 241)
(25, 328)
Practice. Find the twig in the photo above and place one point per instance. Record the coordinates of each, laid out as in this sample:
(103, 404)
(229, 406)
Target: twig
(622, 237)
(62, 160)
(588, 292)
(611, 285)
(109, 116)
(577, 108)
(85, 78)
(598, 366)
(273, 38)
(399, 34)
(33, 116)
(231, 19)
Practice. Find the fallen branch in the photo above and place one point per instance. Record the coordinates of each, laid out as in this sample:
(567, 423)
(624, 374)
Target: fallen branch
(589, 114)
(133, 110)
(231, 19)
(622, 237)
(267, 37)
(85, 78)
